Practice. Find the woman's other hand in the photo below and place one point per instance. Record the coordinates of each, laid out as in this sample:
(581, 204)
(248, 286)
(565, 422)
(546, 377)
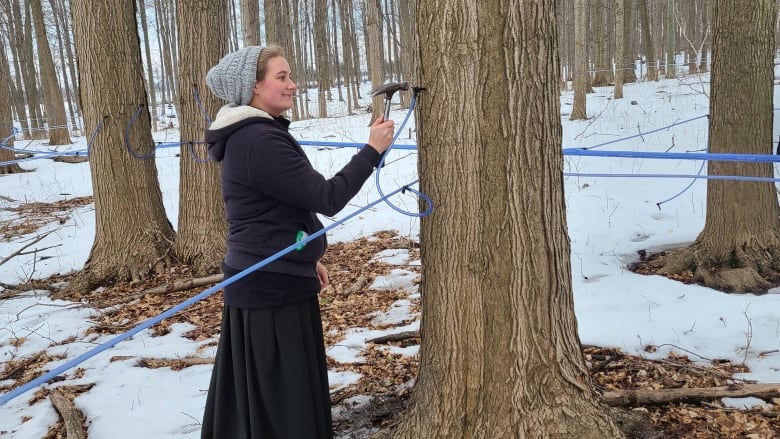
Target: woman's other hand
(322, 273)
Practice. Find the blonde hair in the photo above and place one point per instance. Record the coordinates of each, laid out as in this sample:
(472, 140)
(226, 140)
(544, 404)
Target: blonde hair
(270, 51)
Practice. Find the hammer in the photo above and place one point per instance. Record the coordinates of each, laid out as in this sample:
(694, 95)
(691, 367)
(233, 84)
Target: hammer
(389, 90)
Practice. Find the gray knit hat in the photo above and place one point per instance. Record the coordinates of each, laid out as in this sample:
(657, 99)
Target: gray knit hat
(233, 79)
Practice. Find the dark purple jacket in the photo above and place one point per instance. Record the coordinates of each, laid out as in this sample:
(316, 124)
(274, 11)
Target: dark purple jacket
(272, 193)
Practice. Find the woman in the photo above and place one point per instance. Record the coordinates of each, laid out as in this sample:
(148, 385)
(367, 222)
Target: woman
(270, 376)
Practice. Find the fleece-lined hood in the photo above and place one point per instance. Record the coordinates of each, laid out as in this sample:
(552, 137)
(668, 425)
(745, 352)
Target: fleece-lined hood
(230, 118)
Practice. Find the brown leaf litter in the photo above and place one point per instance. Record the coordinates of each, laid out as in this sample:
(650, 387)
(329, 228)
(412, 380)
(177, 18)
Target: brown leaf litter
(349, 302)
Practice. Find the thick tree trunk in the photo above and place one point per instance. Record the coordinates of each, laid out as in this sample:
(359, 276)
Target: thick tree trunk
(133, 235)
(500, 356)
(739, 248)
(200, 239)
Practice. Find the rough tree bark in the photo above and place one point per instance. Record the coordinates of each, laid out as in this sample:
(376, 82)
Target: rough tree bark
(500, 356)
(739, 248)
(132, 234)
(55, 107)
(200, 238)
(581, 75)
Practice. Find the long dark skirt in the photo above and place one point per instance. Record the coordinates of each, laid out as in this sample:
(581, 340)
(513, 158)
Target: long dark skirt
(270, 378)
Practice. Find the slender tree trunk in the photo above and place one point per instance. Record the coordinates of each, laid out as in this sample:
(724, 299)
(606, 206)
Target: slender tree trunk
(6, 118)
(55, 107)
(671, 41)
(628, 66)
(500, 357)
(151, 87)
(132, 234)
(29, 76)
(321, 54)
(619, 48)
(61, 28)
(647, 41)
(600, 77)
(374, 54)
(581, 76)
(250, 22)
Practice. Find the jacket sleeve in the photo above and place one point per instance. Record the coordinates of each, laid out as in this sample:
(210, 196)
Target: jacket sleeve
(278, 168)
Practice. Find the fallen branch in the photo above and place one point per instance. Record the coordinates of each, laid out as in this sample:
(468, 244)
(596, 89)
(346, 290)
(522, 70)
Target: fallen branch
(63, 402)
(399, 336)
(625, 398)
(173, 287)
(174, 363)
(23, 248)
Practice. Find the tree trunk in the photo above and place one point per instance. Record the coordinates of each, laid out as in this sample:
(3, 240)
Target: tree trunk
(321, 55)
(374, 54)
(6, 118)
(500, 356)
(739, 248)
(647, 41)
(55, 107)
(250, 23)
(600, 74)
(132, 233)
(200, 238)
(628, 66)
(61, 19)
(581, 76)
(619, 48)
(28, 74)
(151, 87)
(671, 40)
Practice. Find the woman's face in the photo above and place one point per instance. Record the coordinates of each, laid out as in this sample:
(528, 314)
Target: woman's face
(274, 94)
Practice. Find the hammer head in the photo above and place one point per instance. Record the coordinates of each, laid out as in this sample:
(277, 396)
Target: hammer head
(389, 89)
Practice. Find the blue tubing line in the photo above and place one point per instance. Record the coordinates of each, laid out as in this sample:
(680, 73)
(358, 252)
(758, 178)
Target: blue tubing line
(723, 157)
(426, 198)
(698, 174)
(411, 147)
(171, 311)
(695, 176)
(648, 132)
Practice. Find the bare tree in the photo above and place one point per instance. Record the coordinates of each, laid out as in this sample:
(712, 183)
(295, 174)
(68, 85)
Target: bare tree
(601, 75)
(671, 40)
(151, 87)
(132, 234)
(376, 70)
(321, 55)
(581, 75)
(250, 22)
(647, 40)
(500, 356)
(628, 65)
(6, 118)
(55, 106)
(619, 48)
(200, 238)
(739, 248)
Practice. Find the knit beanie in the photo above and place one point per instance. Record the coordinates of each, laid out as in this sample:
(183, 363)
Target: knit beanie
(234, 77)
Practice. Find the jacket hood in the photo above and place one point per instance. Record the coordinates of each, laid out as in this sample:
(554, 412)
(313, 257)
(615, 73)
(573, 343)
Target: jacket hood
(230, 118)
